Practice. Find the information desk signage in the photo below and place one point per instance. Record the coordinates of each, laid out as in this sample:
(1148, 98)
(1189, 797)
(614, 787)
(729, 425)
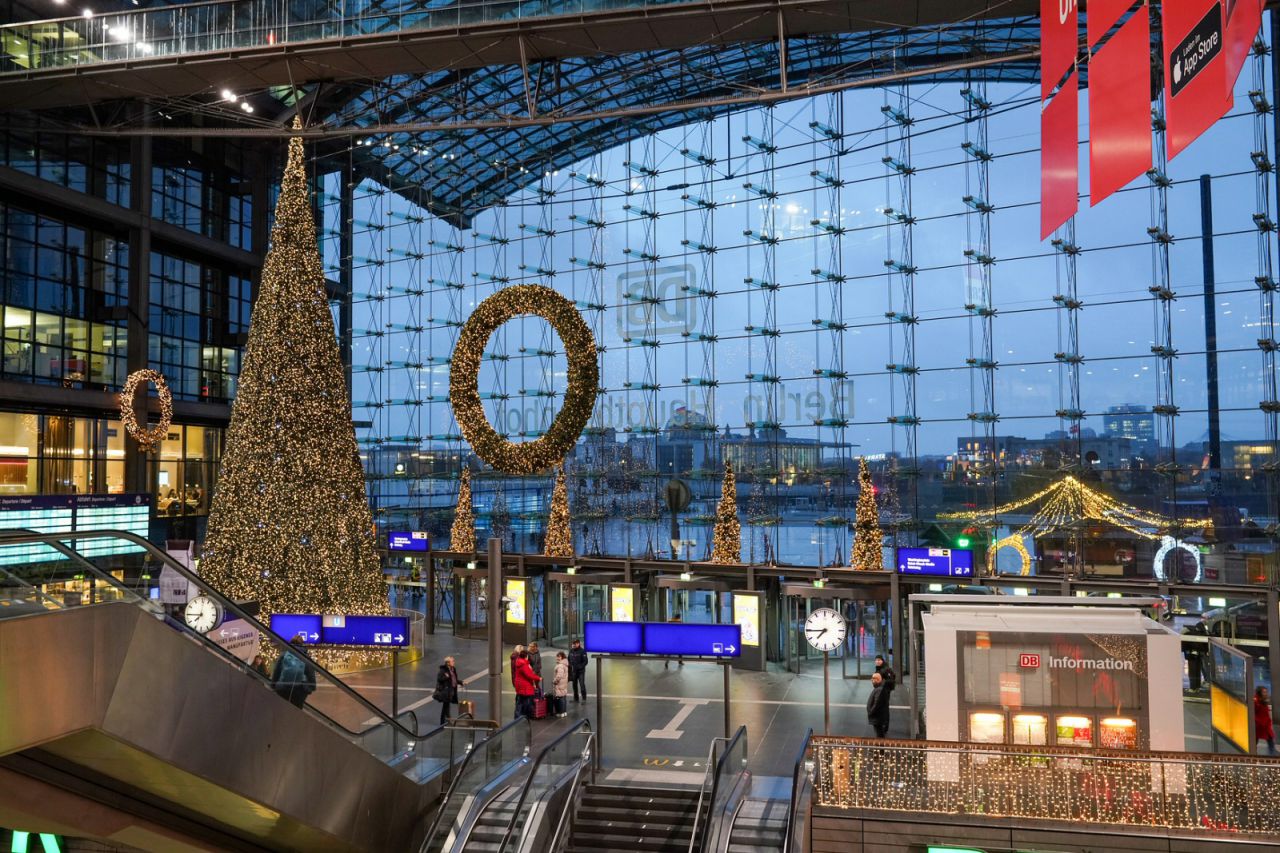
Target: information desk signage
(339, 630)
(668, 639)
(415, 540)
(936, 562)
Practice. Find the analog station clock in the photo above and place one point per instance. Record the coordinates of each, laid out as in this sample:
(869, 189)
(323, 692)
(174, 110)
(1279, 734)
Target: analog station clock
(825, 629)
(202, 614)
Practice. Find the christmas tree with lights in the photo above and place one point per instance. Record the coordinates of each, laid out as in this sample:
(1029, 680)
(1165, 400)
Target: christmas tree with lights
(289, 525)
(559, 541)
(726, 546)
(868, 538)
(462, 536)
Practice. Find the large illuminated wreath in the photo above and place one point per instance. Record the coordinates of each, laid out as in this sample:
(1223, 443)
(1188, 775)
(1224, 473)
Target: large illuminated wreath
(579, 399)
(146, 438)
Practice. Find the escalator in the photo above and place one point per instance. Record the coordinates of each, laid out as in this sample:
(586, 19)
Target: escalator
(123, 725)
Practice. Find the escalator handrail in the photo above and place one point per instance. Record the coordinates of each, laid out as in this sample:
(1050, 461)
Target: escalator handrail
(462, 769)
(795, 790)
(567, 813)
(533, 771)
(714, 767)
(57, 540)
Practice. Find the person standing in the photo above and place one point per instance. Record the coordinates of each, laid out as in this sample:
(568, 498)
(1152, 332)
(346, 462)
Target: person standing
(1262, 724)
(886, 672)
(535, 662)
(1194, 652)
(515, 656)
(578, 670)
(560, 684)
(260, 666)
(447, 684)
(878, 705)
(526, 681)
(293, 678)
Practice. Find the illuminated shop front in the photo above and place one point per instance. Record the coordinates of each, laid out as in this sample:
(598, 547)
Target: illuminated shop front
(1052, 676)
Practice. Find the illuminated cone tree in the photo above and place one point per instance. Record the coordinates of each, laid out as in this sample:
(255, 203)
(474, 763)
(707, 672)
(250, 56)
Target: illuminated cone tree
(559, 541)
(868, 538)
(726, 542)
(290, 526)
(462, 537)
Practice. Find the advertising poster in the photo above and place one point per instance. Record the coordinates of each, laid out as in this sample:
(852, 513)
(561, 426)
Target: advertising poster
(515, 601)
(746, 612)
(622, 604)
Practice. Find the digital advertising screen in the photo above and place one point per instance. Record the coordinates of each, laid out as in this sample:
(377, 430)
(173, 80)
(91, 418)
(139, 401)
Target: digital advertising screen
(515, 600)
(746, 612)
(622, 604)
(936, 562)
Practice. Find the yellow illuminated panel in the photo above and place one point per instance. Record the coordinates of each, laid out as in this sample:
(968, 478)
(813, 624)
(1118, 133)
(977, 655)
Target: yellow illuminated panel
(1031, 729)
(622, 604)
(515, 601)
(746, 612)
(1230, 718)
(986, 727)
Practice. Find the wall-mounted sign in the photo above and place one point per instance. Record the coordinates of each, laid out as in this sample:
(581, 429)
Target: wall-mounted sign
(668, 639)
(1028, 661)
(746, 612)
(335, 629)
(515, 601)
(415, 540)
(936, 562)
(622, 604)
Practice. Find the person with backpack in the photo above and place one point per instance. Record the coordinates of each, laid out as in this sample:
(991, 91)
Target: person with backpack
(890, 677)
(293, 678)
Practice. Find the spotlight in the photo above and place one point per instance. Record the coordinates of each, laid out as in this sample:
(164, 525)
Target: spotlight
(228, 95)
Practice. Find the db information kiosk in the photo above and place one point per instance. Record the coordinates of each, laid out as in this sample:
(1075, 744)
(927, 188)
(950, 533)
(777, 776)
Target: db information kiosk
(1106, 678)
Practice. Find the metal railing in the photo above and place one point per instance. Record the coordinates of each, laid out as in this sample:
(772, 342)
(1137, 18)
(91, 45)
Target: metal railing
(1193, 792)
(564, 826)
(506, 745)
(800, 778)
(542, 788)
(714, 788)
(222, 25)
(405, 740)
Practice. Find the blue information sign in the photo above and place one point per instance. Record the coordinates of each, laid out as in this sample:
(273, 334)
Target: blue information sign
(407, 541)
(290, 625)
(617, 638)
(663, 638)
(339, 630)
(936, 562)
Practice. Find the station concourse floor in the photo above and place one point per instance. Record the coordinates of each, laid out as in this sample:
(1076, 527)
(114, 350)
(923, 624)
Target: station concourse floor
(659, 719)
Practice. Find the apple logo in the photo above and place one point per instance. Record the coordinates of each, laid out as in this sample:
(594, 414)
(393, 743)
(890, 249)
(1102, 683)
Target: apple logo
(1177, 71)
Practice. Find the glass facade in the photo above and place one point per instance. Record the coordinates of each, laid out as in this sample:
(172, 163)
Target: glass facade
(853, 275)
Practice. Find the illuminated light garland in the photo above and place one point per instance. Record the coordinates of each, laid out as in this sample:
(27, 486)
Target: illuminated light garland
(726, 542)
(290, 525)
(868, 538)
(1169, 544)
(462, 536)
(559, 542)
(1015, 542)
(146, 438)
(579, 399)
(1069, 501)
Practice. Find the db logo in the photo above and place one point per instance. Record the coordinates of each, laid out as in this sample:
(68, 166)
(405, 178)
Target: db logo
(1029, 661)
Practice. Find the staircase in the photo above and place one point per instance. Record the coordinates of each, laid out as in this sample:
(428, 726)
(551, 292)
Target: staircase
(760, 825)
(644, 819)
(492, 824)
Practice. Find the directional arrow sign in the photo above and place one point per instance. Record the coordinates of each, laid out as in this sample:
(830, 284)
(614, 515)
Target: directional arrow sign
(668, 639)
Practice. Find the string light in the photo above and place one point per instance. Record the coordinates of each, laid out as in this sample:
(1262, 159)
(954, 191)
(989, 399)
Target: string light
(559, 542)
(868, 538)
(462, 536)
(580, 397)
(1068, 502)
(290, 525)
(726, 543)
(1013, 541)
(1236, 795)
(146, 438)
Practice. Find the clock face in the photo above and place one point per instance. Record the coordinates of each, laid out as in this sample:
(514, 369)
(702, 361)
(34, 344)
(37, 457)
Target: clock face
(825, 629)
(201, 614)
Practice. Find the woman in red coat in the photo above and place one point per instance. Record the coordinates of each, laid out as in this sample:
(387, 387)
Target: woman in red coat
(526, 685)
(1262, 727)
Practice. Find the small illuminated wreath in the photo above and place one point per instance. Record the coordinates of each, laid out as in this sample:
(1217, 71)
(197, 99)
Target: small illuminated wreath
(579, 398)
(147, 438)
(1015, 542)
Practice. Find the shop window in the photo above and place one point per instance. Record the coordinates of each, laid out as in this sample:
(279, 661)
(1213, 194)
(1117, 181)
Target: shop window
(986, 727)
(1031, 729)
(1118, 733)
(1074, 731)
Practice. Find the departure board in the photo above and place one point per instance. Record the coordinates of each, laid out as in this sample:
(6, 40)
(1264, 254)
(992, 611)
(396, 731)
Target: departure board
(63, 513)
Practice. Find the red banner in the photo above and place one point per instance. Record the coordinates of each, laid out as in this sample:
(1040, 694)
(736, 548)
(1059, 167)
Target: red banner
(1120, 107)
(1244, 18)
(1103, 15)
(1059, 37)
(1059, 160)
(1195, 81)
